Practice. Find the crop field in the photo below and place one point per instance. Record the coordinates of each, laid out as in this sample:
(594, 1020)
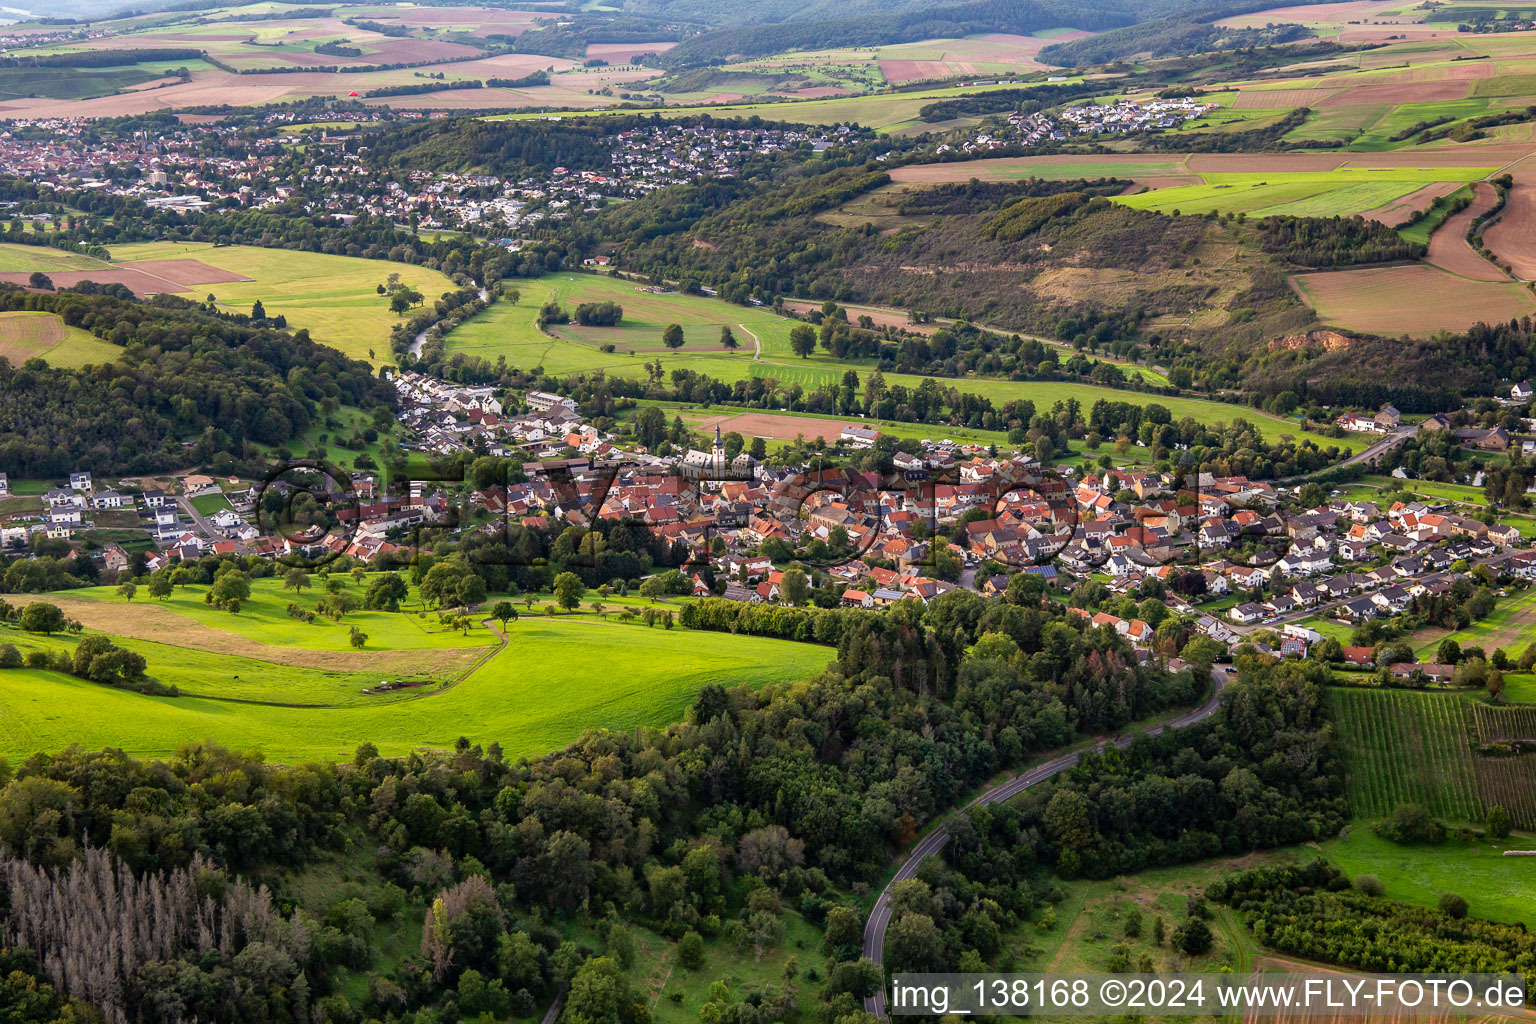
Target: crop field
(1341, 192)
(334, 297)
(26, 336)
(1510, 722)
(263, 679)
(1417, 300)
(1408, 747)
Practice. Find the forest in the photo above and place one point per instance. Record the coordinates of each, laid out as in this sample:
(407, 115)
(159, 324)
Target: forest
(1313, 911)
(182, 371)
(786, 797)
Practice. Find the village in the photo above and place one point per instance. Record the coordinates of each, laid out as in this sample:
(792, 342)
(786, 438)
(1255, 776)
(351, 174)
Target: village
(202, 166)
(1119, 118)
(1240, 556)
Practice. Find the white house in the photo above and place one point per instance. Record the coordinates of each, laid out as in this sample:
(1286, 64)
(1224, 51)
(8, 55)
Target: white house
(106, 499)
(79, 481)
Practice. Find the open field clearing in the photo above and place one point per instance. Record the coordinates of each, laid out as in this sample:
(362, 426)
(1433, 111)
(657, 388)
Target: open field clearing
(333, 296)
(539, 692)
(1512, 626)
(1449, 248)
(1496, 887)
(26, 336)
(27, 258)
(1415, 299)
(1404, 746)
(510, 330)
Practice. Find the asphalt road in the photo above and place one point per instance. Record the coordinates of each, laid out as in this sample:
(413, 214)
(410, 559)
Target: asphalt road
(880, 917)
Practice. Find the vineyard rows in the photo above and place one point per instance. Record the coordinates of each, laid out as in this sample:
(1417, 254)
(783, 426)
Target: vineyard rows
(1506, 723)
(1405, 747)
(1510, 783)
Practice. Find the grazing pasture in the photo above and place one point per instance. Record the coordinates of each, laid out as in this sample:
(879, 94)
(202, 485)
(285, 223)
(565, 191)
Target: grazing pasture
(1404, 746)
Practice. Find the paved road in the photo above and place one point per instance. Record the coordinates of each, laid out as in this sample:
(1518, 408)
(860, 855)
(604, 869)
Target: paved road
(933, 842)
(185, 504)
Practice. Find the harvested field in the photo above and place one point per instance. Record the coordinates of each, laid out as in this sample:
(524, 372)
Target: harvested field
(623, 53)
(1304, 14)
(1416, 299)
(881, 317)
(761, 424)
(1394, 93)
(1448, 246)
(1513, 236)
(156, 624)
(144, 278)
(898, 72)
(1275, 99)
(1399, 210)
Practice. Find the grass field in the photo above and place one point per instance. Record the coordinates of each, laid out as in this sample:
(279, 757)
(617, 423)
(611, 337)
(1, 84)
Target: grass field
(1408, 747)
(1512, 626)
(264, 679)
(505, 329)
(1340, 192)
(333, 296)
(26, 336)
(1495, 887)
(27, 258)
(1421, 231)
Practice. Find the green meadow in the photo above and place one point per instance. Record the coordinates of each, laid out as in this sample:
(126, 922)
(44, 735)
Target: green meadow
(510, 331)
(262, 679)
(334, 297)
(1298, 193)
(1495, 887)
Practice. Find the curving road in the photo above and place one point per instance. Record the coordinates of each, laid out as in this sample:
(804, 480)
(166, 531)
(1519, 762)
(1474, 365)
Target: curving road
(933, 842)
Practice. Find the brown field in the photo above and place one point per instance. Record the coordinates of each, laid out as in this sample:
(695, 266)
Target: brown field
(899, 71)
(160, 625)
(1337, 13)
(1393, 93)
(784, 428)
(881, 317)
(146, 277)
(1399, 210)
(1448, 246)
(477, 18)
(1513, 236)
(1416, 299)
(22, 335)
(1275, 99)
(623, 53)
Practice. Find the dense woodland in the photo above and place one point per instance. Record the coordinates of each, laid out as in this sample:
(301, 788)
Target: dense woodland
(1311, 911)
(786, 796)
(183, 371)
